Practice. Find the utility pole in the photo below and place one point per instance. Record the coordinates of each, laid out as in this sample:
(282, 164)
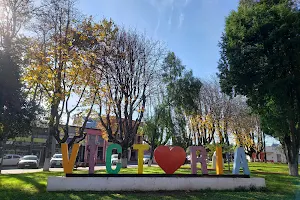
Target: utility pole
(48, 152)
(53, 146)
(2, 148)
(265, 147)
(31, 143)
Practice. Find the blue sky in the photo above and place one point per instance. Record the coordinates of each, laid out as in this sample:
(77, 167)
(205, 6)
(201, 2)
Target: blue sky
(190, 28)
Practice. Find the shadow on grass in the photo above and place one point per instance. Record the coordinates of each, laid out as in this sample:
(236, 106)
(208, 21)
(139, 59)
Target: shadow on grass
(274, 182)
(204, 194)
(32, 181)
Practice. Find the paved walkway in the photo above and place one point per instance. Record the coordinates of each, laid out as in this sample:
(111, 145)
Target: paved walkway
(22, 171)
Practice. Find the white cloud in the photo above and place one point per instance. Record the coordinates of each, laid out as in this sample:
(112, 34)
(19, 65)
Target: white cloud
(156, 28)
(164, 6)
(171, 15)
(161, 5)
(186, 2)
(181, 19)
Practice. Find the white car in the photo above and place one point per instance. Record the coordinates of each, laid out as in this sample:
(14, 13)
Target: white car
(114, 159)
(10, 159)
(146, 159)
(30, 161)
(56, 160)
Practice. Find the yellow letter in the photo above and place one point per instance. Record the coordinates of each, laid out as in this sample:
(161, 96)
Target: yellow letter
(219, 167)
(141, 148)
(68, 164)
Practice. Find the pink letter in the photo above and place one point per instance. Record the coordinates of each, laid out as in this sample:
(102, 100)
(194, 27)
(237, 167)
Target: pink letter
(93, 147)
(201, 159)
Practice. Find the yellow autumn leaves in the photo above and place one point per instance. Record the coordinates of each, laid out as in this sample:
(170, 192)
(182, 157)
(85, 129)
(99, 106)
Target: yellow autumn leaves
(67, 63)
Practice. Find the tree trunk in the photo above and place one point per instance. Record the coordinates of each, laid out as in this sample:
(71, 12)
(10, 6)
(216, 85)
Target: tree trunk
(2, 148)
(292, 149)
(293, 160)
(265, 148)
(293, 169)
(124, 159)
(151, 157)
(46, 166)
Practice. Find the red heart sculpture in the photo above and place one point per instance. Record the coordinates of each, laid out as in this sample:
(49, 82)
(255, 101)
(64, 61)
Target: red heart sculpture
(169, 159)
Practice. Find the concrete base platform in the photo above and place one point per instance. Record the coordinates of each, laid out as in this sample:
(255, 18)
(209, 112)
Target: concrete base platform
(150, 183)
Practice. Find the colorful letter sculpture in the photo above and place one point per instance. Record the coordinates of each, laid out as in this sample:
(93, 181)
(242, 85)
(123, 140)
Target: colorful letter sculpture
(240, 161)
(68, 164)
(108, 159)
(219, 158)
(169, 159)
(141, 148)
(201, 159)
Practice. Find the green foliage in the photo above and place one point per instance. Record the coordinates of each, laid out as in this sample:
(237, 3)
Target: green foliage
(183, 91)
(260, 59)
(158, 128)
(211, 148)
(182, 87)
(16, 113)
(172, 69)
(186, 92)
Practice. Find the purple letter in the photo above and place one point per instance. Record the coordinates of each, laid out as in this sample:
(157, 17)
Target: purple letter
(93, 147)
(201, 159)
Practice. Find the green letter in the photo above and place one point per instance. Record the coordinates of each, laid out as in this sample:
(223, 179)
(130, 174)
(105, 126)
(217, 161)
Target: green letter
(108, 159)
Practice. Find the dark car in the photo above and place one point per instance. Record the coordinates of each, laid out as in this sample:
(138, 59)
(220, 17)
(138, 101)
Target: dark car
(29, 161)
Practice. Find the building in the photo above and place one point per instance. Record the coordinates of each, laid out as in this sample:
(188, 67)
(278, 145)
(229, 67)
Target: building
(274, 153)
(96, 132)
(36, 143)
(33, 144)
(96, 136)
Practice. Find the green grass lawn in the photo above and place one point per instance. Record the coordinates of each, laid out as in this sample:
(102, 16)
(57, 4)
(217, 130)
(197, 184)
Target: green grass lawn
(33, 186)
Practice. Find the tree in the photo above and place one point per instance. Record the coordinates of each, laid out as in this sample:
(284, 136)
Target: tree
(129, 64)
(259, 59)
(16, 110)
(62, 61)
(182, 90)
(246, 128)
(215, 107)
(156, 129)
(14, 15)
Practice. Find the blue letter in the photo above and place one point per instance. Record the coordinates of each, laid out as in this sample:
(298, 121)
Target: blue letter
(240, 161)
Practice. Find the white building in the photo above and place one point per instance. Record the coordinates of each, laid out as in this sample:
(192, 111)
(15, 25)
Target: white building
(275, 154)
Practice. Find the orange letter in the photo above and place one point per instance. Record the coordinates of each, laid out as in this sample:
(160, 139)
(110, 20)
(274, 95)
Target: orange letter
(68, 164)
(141, 148)
(219, 167)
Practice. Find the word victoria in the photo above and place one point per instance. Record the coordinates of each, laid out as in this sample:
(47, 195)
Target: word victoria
(168, 159)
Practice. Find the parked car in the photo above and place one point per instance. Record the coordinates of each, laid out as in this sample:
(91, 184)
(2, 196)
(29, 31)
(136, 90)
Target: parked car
(29, 161)
(187, 160)
(146, 159)
(56, 161)
(114, 159)
(10, 159)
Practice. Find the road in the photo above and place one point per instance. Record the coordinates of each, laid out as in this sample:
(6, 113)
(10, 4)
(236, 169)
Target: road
(14, 170)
